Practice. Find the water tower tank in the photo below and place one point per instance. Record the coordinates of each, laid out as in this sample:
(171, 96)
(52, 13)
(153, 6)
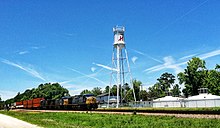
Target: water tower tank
(119, 36)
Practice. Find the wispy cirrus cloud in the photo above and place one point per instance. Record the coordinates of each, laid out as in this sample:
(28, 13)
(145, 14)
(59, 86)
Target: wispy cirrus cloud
(30, 71)
(28, 50)
(144, 54)
(93, 69)
(89, 76)
(80, 77)
(23, 52)
(134, 59)
(170, 63)
(210, 54)
(187, 57)
(35, 47)
(106, 67)
(181, 17)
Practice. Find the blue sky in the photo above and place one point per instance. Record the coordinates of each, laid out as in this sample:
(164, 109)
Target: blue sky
(67, 41)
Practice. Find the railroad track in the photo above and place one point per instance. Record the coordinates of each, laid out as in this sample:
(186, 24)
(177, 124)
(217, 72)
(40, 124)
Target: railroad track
(171, 111)
(136, 112)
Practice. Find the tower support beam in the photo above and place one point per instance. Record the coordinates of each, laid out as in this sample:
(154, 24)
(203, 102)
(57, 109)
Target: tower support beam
(118, 74)
(123, 74)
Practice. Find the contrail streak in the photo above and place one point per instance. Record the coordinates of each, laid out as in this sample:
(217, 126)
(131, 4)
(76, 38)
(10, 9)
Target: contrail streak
(144, 54)
(106, 67)
(181, 17)
(210, 54)
(88, 76)
(26, 69)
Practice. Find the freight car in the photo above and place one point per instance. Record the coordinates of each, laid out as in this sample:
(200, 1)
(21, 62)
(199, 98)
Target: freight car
(30, 104)
(77, 102)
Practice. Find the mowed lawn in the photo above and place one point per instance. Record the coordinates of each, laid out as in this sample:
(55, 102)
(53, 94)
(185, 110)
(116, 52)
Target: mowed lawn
(92, 120)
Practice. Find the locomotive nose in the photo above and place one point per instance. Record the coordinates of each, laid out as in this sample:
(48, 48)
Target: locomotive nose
(90, 100)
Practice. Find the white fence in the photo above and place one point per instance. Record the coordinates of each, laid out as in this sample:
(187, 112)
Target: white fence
(202, 103)
(180, 103)
(167, 104)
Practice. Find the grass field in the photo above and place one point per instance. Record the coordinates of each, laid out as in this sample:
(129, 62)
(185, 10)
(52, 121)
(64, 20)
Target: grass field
(211, 110)
(92, 120)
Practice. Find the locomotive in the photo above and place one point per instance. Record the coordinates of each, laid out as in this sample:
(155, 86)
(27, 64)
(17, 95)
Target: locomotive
(77, 102)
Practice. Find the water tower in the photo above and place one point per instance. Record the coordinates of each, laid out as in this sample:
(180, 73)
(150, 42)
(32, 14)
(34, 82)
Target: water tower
(121, 73)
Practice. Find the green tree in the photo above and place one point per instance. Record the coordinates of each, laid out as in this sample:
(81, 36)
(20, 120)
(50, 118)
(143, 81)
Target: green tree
(123, 91)
(156, 91)
(50, 91)
(212, 81)
(126, 87)
(193, 76)
(162, 86)
(24, 98)
(85, 92)
(47, 90)
(9, 101)
(114, 90)
(152, 93)
(144, 95)
(176, 90)
(166, 80)
(129, 96)
(217, 67)
(136, 85)
(106, 89)
(96, 91)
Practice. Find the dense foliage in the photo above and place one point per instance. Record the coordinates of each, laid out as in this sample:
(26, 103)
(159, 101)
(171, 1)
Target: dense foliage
(163, 87)
(92, 120)
(47, 91)
(193, 76)
(86, 91)
(196, 76)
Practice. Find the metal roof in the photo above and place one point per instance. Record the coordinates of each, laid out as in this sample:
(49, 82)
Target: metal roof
(203, 96)
(168, 98)
(103, 94)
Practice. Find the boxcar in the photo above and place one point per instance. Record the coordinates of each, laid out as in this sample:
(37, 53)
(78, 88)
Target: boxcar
(19, 104)
(36, 103)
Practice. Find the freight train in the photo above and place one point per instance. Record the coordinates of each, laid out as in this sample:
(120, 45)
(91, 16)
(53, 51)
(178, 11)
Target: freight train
(77, 102)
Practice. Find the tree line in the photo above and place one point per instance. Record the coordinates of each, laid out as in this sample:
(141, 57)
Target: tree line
(47, 90)
(194, 76)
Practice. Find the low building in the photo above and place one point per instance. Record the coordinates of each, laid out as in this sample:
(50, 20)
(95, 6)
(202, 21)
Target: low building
(103, 100)
(141, 104)
(203, 99)
(168, 101)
